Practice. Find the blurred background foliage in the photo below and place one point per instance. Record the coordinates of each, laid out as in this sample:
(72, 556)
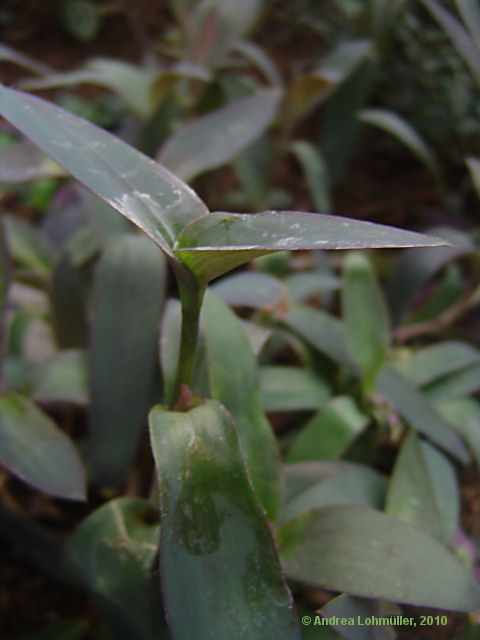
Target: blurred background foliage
(366, 366)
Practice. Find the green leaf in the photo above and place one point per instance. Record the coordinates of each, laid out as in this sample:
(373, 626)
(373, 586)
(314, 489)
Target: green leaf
(432, 362)
(113, 551)
(375, 556)
(321, 330)
(464, 415)
(215, 139)
(356, 485)
(340, 128)
(234, 381)
(5, 282)
(359, 609)
(306, 284)
(419, 412)
(250, 289)
(473, 165)
(286, 388)
(28, 246)
(458, 35)
(302, 475)
(170, 345)
(11, 55)
(257, 56)
(165, 83)
(63, 378)
(311, 89)
(34, 449)
(127, 300)
(22, 161)
(214, 532)
(420, 493)
(144, 192)
(365, 316)
(415, 268)
(453, 385)
(132, 84)
(330, 432)
(396, 126)
(68, 305)
(470, 13)
(316, 172)
(220, 241)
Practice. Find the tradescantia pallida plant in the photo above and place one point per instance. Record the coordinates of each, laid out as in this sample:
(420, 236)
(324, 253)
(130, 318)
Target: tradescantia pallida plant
(217, 463)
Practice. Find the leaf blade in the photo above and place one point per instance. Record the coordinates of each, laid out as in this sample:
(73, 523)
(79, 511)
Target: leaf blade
(375, 555)
(242, 237)
(30, 442)
(215, 139)
(222, 525)
(234, 381)
(144, 192)
(127, 301)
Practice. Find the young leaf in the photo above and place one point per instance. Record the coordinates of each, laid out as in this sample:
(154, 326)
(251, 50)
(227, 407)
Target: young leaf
(215, 139)
(144, 192)
(33, 448)
(234, 381)
(113, 551)
(375, 556)
(365, 314)
(216, 243)
(127, 301)
(212, 521)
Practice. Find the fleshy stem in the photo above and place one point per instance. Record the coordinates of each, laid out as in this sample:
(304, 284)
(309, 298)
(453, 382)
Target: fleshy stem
(191, 297)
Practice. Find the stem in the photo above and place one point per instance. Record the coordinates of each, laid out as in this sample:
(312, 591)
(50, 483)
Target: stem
(191, 296)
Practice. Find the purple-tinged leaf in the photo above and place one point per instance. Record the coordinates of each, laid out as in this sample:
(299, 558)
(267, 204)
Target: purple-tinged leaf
(213, 244)
(140, 189)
